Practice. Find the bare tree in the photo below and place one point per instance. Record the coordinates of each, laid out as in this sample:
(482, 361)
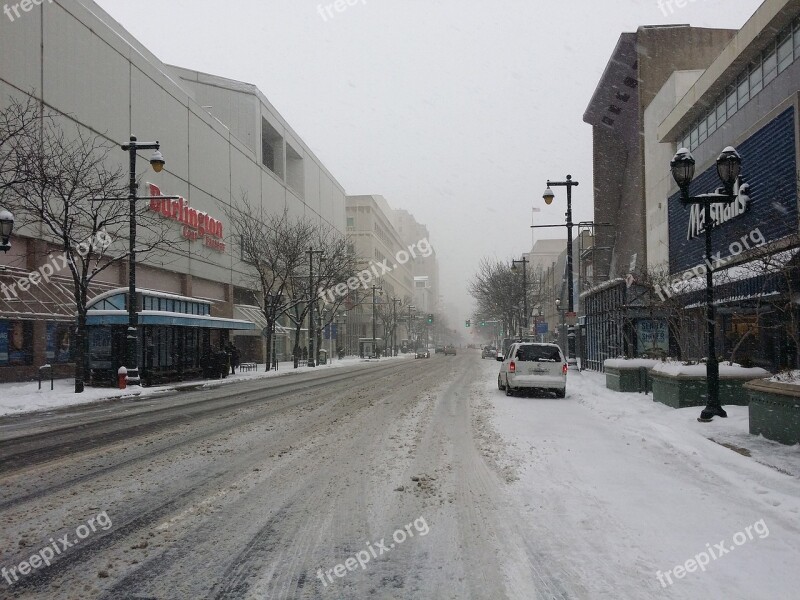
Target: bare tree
(500, 294)
(274, 247)
(60, 177)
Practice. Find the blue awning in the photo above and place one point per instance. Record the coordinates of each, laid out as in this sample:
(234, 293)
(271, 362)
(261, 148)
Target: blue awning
(152, 317)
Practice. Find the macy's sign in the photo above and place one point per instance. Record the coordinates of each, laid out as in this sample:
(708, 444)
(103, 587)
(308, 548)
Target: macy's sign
(197, 225)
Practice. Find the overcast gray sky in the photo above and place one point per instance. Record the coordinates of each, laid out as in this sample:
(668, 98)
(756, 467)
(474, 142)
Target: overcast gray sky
(456, 110)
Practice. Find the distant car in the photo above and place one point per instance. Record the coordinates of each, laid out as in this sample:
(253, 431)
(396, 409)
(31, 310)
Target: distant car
(450, 350)
(488, 352)
(423, 353)
(531, 366)
(439, 349)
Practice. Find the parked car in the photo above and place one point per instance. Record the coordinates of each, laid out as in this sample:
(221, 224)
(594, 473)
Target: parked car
(531, 367)
(488, 352)
(423, 353)
(439, 349)
(450, 350)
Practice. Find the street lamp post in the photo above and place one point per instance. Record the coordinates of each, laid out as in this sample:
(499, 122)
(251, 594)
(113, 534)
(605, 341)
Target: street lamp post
(729, 165)
(312, 332)
(6, 227)
(548, 198)
(524, 262)
(394, 325)
(273, 301)
(410, 328)
(375, 288)
(157, 162)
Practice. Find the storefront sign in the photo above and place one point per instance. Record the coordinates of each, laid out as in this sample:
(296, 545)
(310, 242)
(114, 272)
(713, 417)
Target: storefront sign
(651, 334)
(720, 212)
(766, 198)
(197, 225)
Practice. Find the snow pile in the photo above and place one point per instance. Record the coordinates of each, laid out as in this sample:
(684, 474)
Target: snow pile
(726, 371)
(630, 363)
(788, 377)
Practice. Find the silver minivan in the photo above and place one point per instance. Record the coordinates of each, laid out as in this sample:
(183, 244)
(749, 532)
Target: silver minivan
(532, 366)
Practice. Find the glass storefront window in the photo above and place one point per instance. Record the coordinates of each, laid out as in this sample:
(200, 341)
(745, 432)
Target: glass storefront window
(770, 67)
(756, 82)
(60, 343)
(785, 56)
(16, 343)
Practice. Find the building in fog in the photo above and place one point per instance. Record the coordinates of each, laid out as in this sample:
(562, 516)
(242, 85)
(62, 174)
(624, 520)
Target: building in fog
(640, 65)
(375, 239)
(747, 98)
(221, 139)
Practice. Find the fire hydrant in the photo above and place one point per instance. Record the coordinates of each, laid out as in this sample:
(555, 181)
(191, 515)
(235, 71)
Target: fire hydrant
(122, 378)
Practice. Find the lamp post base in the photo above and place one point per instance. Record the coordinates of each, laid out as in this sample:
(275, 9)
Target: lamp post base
(709, 412)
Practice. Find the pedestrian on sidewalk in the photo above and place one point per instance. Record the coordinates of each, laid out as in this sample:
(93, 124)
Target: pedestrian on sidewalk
(234, 354)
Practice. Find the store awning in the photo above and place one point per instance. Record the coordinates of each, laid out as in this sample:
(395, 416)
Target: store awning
(51, 300)
(248, 312)
(155, 317)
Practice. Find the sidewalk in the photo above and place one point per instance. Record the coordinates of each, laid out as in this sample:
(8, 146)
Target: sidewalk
(17, 398)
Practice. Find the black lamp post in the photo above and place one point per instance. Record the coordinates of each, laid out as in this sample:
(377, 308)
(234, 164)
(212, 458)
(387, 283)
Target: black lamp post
(340, 322)
(375, 288)
(524, 263)
(157, 162)
(312, 332)
(728, 168)
(548, 199)
(394, 325)
(411, 341)
(6, 227)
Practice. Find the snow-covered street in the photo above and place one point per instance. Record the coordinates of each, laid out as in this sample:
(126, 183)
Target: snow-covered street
(395, 479)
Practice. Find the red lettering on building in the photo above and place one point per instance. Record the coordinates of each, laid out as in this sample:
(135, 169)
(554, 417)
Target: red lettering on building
(196, 224)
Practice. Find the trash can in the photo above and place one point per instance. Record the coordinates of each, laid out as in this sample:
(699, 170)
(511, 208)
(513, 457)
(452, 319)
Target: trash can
(322, 357)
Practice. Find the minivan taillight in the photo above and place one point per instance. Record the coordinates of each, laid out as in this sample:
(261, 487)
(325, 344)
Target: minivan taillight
(564, 369)
(512, 367)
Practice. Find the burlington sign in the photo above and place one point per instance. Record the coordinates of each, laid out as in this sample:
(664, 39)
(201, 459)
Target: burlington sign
(197, 225)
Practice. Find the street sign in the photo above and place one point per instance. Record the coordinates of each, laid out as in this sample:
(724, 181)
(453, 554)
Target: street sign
(572, 318)
(541, 328)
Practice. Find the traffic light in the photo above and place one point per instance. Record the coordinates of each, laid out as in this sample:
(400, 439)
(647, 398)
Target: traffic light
(430, 318)
(483, 323)
(467, 323)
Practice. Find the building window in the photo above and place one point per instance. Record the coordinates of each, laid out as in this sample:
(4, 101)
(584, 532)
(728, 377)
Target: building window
(722, 115)
(294, 170)
(271, 148)
(351, 222)
(743, 92)
(16, 343)
(711, 123)
(731, 103)
(770, 67)
(756, 81)
(785, 56)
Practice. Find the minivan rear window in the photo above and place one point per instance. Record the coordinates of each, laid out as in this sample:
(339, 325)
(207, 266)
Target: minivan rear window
(538, 353)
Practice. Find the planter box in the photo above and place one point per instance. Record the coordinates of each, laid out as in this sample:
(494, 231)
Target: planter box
(681, 386)
(628, 375)
(775, 410)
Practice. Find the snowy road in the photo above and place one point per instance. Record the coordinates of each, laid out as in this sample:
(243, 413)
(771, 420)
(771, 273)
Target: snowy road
(404, 479)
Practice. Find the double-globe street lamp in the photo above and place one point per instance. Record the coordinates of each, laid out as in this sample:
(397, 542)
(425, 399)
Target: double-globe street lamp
(548, 199)
(6, 227)
(524, 262)
(729, 165)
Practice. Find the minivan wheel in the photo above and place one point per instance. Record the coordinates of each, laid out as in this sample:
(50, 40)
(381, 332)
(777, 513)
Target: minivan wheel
(561, 393)
(500, 386)
(509, 391)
